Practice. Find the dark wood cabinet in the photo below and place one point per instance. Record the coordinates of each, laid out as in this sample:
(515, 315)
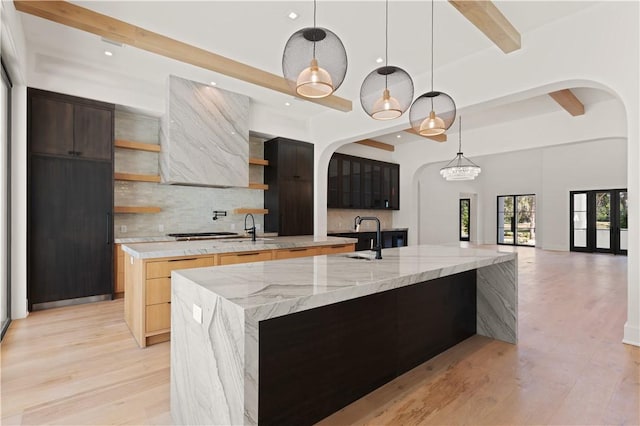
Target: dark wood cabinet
(362, 183)
(69, 126)
(289, 198)
(70, 198)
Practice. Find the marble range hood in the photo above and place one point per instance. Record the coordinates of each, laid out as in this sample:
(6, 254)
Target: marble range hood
(204, 136)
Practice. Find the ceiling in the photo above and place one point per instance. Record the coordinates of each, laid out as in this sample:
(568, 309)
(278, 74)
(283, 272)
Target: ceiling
(256, 32)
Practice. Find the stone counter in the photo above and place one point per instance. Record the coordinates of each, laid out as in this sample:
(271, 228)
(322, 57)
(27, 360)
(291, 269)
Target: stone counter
(220, 315)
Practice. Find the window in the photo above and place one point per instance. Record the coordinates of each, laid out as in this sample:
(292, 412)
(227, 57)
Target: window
(5, 201)
(517, 220)
(598, 221)
(465, 213)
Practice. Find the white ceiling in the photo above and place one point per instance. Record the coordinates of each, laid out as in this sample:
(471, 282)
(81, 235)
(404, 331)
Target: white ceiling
(255, 33)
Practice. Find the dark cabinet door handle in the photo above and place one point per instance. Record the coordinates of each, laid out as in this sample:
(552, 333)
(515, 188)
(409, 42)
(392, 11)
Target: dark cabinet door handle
(71, 152)
(78, 153)
(108, 228)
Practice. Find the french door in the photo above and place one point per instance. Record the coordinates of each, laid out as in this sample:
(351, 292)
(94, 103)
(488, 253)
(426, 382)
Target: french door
(517, 220)
(599, 221)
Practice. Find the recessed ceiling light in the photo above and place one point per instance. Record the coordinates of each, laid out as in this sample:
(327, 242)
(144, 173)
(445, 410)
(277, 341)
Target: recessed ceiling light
(379, 60)
(287, 103)
(213, 83)
(293, 16)
(108, 53)
(398, 136)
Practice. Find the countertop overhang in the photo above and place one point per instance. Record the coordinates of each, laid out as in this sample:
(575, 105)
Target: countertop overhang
(160, 249)
(266, 290)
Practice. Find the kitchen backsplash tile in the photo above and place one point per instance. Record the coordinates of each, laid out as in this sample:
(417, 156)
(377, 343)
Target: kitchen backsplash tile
(184, 208)
(342, 219)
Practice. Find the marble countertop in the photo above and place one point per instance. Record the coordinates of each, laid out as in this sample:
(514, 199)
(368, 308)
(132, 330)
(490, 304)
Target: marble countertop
(161, 238)
(266, 290)
(159, 249)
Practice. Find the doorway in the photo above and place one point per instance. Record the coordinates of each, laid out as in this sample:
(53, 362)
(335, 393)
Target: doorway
(465, 219)
(598, 221)
(517, 220)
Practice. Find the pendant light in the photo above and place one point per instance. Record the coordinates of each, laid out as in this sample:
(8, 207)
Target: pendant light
(314, 61)
(387, 91)
(460, 168)
(432, 113)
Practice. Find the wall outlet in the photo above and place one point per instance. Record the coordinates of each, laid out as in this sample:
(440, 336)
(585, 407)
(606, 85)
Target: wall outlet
(123, 228)
(197, 313)
(258, 226)
(160, 228)
(233, 226)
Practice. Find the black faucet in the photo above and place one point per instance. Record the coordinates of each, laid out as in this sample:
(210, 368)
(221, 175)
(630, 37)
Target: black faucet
(378, 247)
(252, 229)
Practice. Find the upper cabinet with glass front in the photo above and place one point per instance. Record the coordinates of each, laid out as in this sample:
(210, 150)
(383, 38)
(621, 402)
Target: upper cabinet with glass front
(362, 183)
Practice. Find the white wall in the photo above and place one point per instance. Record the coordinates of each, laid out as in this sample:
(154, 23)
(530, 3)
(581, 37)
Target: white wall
(549, 173)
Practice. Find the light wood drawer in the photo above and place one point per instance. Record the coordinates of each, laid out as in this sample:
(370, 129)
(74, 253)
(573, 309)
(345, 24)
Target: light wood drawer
(158, 290)
(158, 317)
(163, 269)
(338, 248)
(297, 252)
(246, 257)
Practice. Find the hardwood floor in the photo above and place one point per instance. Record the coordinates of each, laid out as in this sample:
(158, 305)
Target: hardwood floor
(80, 365)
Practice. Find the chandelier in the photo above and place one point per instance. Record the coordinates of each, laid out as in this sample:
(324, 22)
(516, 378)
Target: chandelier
(460, 168)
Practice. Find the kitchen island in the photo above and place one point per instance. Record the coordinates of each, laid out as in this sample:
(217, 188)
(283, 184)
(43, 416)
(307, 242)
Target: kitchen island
(292, 341)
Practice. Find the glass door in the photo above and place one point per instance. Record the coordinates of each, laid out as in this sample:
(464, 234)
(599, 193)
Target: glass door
(5, 204)
(622, 240)
(465, 213)
(598, 221)
(517, 220)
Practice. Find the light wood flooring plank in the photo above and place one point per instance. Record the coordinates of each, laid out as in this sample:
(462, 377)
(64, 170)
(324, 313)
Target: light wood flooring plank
(80, 364)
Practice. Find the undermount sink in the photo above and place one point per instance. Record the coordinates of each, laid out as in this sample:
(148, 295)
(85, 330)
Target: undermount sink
(361, 255)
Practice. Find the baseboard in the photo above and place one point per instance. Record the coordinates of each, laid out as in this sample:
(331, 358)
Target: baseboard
(631, 335)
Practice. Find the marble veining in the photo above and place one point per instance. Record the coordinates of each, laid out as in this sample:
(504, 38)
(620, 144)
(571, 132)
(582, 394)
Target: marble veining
(266, 290)
(204, 136)
(160, 249)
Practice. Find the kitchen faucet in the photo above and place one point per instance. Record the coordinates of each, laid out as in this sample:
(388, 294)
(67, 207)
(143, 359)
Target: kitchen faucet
(378, 248)
(252, 229)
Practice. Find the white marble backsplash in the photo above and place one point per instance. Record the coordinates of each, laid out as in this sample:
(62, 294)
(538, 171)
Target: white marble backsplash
(183, 208)
(204, 136)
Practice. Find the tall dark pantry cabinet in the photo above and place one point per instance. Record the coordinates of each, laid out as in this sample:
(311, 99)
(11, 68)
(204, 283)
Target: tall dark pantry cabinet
(289, 198)
(70, 199)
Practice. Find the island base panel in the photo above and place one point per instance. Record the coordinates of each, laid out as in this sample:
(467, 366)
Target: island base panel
(313, 363)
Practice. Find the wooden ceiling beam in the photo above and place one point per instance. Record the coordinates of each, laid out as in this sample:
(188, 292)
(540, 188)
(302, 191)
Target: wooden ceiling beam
(78, 17)
(438, 138)
(376, 144)
(568, 101)
(488, 19)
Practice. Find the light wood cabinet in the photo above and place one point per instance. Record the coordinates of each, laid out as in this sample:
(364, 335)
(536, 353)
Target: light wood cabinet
(147, 284)
(244, 257)
(118, 271)
(296, 252)
(337, 248)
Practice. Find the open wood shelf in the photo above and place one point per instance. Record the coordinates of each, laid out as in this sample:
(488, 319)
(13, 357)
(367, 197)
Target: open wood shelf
(262, 186)
(136, 209)
(120, 143)
(136, 177)
(252, 211)
(258, 161)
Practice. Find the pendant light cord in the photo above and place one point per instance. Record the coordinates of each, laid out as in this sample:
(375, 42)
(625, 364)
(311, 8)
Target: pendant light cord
(432, 45)
(460, 135)
(314, 29)
(386, 43)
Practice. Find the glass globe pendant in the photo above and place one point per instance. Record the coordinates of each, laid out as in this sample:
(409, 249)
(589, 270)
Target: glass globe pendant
(434, 112)
(387, 91)
(314, 61)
